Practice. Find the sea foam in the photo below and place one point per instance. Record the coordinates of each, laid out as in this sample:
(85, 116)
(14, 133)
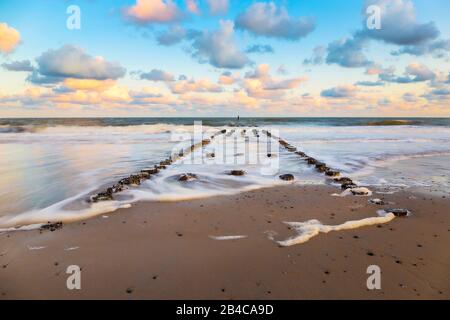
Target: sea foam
(309, 229)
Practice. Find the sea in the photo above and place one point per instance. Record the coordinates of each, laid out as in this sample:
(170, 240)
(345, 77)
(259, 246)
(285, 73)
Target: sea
(50, 168)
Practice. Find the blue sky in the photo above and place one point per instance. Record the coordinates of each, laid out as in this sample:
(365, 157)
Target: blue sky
(108, 31)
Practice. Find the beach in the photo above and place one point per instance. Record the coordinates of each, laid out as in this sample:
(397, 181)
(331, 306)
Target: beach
(226, 211)
(170, 250)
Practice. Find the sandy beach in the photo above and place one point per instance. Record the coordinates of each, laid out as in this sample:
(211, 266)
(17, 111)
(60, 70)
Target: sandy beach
(183, 250)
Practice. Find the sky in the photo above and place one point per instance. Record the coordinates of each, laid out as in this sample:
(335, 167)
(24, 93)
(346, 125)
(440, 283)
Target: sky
(176, 58)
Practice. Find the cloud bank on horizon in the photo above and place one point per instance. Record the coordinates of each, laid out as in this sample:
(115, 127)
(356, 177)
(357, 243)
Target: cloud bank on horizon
(224, 57)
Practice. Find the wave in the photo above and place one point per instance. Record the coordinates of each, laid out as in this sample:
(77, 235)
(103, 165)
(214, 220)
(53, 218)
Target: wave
(98, 130)
(393, 123)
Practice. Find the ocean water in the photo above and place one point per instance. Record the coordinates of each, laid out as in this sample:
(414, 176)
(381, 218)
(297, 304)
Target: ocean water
(50, 167)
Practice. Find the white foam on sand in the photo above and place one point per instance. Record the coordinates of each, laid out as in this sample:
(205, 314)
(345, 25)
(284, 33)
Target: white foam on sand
(225, 238)
(35, 248)
(309, 229)
(348, 192)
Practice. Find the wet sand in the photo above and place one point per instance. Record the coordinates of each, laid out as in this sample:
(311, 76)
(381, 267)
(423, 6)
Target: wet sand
(168, 251)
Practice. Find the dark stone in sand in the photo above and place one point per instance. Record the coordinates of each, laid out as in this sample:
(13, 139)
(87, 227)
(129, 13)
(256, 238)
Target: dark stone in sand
(398, 212)
(52, 226)
(237, 173)
(187, 177)
(211, 155)
(311, 160)
(377, 202)
(269, 155)
(206, 142)
(223, 131)
(332, 173)
(287, 177)
(301, 154)
(348, 185)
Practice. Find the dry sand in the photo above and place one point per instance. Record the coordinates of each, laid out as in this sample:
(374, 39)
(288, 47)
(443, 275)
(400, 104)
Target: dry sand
(167, 250)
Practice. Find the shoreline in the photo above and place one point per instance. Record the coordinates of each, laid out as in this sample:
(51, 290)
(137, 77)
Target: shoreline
(160, 250)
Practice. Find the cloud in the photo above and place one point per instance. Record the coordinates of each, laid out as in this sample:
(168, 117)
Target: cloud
(219, 47)
(73, 62)
(399, 24)
(370, 83)
(410, 97)
(218, 7)
(339, 92)
(266, 19)
(9, 38)
(348, 52)
(414, 72)
(157, 75)
(88, 84)
(173, 35)
(227, 78)
(154, 11)
(260, 48)
(260, 84)
(24, 65)
(317, 57)
(438, 48)
(192, 6)
(186, 86)
(442, 94)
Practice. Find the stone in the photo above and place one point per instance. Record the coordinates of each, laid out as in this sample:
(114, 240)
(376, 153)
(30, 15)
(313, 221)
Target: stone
(348, 185)
(52, 226)
(237, 172)
(398, 212)
(378, 202)
(287, 177)
(150, 171)
(321, 167)
(332, 173)
(187, 177)
(166, 162)
(360, 191)
(103, 196)
(311, 161)
(291, 148)
(343, 180)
